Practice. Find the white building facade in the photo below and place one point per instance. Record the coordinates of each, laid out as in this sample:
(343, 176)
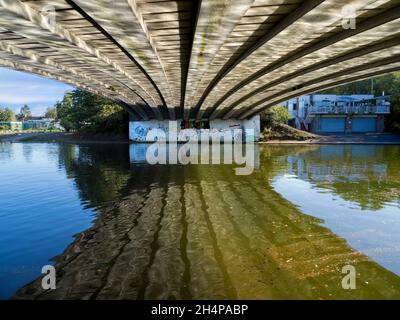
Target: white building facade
(328, 113)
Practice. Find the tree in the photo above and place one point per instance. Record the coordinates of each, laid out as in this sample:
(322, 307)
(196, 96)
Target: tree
(275, 115)
(24, 112)
(6, 115)
(51, 113)
(81, 110)
(64, 112)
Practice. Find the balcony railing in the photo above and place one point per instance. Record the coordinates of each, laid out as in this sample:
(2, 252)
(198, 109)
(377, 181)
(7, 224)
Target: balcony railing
(380, 109)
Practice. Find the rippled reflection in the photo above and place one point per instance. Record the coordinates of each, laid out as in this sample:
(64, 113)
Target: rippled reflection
(355, 190)
(201, 232)
(366, 174)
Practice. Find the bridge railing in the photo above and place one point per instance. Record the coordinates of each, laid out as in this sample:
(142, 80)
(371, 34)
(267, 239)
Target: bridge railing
(379, 109)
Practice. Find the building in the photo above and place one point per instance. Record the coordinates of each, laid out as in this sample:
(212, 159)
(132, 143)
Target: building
(32, 123)
(328, 113)
(11, 125)
(38, 123)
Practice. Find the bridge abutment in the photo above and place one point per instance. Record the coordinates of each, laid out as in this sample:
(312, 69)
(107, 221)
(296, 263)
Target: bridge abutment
(181, 130)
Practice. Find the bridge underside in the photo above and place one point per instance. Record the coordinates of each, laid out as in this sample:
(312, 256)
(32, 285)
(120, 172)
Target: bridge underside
(200, 59)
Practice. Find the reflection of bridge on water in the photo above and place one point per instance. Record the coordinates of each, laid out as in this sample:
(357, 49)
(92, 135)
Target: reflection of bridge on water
(214, 154)
(199, 232)
(339, 163)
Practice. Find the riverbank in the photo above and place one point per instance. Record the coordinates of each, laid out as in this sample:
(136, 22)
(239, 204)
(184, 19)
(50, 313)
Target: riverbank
(284, 134)
(289, 138)
(363, 139)
(279, 132)
(63, 137)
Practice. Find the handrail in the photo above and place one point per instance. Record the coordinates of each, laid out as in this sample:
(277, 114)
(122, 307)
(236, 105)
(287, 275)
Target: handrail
(379, 109)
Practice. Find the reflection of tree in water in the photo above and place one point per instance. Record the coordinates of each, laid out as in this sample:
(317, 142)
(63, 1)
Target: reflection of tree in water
(366, 174)
(6, 152)
(100, 172)
(27, 152)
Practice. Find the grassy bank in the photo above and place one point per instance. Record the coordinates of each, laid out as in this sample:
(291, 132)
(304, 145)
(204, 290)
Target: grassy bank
(279, 134)
(15, 132)
(62, 137)
(282, 132)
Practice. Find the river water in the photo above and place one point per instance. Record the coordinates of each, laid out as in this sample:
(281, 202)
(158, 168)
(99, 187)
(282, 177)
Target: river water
(200, 231)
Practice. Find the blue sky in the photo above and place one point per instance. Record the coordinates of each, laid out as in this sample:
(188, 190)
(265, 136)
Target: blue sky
(19, 88)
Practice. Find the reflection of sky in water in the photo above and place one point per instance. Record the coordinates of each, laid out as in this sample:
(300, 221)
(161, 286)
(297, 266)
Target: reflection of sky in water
(40, 211)
(375, 233)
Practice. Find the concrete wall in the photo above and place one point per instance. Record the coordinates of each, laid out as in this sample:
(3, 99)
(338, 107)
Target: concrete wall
(138, 130)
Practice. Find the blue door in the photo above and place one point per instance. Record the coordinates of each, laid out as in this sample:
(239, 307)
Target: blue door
(363, 124)
(334, 124)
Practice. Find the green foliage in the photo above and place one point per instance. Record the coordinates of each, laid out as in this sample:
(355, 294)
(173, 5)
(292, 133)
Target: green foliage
(25, 112)
(5, 127)
(64, 112)
(51, 113)
(84, 111)
(6, 115)
(275, 115)
(389, 84)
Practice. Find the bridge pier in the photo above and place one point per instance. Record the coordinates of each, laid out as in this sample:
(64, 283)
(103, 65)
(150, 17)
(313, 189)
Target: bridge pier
(141, 131)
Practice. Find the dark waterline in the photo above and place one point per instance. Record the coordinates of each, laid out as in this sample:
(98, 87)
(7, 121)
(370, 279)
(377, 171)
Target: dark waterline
(202, 232)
